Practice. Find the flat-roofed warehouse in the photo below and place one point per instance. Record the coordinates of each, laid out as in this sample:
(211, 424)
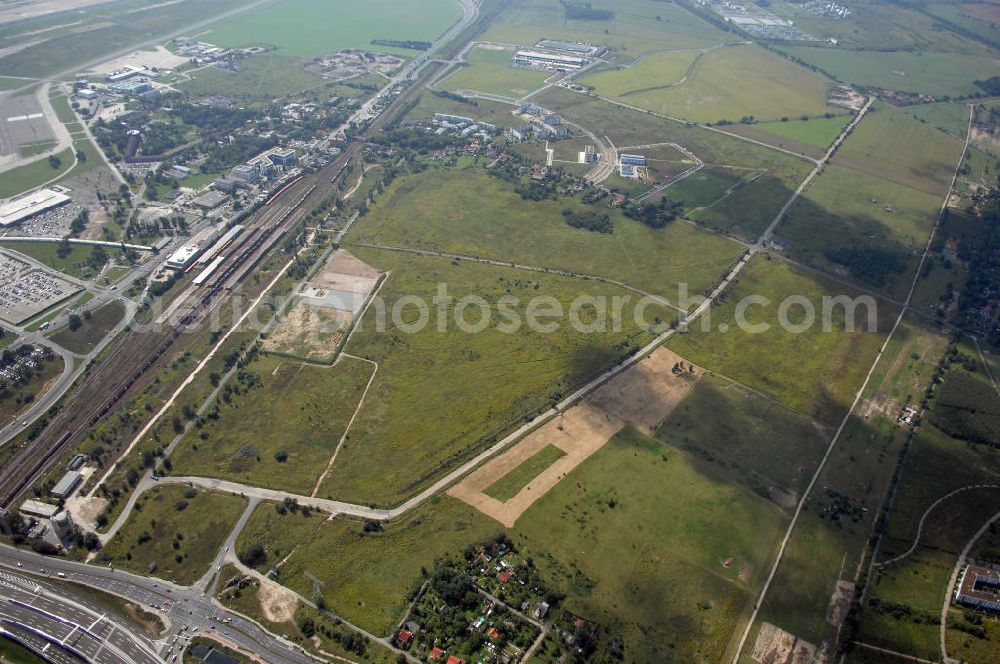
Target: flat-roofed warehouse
(28, 206)
(540, 59)
(65, 486)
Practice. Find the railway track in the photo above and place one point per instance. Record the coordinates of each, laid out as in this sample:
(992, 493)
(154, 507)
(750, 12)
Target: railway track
(126, 370)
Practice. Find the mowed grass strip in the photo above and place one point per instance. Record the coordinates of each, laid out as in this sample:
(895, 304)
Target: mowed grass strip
(470, 212)
(174, 533)
(444, 393)
(812, 371)
(76, 263)
(510, 484)
(279, 427)
(890, 144)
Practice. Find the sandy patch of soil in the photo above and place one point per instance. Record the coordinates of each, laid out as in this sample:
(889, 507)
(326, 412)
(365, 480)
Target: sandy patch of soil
(643, 397)
(776, 646)
(85, 510)
(840, 603)
(276, 603)
(308, 331)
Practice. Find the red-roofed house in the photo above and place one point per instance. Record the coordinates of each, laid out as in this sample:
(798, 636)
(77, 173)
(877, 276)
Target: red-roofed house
(436, 654)
(455, 660)
(404, 638)
(504, 577)
(494, 633)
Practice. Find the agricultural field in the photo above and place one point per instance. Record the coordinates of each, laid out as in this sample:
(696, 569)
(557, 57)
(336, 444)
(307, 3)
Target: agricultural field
(255, 437)
(889, 144)
(748, 438)
(174, 533)
(830, 538)
(728, 84)
(853, 224)
(949, 117)
(472, 213)
(938, 74)
(488, 70)
(814, 373)
(817, 132)
(710, 570)
(650, 71)
(488, 382)
(309, 28)
(637, 27)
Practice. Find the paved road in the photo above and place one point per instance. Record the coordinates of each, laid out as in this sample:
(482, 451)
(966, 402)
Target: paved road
(187, 610)
(76, 365)
(61, 625)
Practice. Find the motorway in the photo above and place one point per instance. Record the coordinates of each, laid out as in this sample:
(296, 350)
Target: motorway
(186, 611)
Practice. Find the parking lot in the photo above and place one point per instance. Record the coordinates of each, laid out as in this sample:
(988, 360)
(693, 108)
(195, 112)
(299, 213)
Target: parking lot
(32, 293)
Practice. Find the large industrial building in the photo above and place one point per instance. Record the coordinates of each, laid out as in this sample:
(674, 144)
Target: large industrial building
(532, 59)
(184, 257)
(28, 206)
(65, 486)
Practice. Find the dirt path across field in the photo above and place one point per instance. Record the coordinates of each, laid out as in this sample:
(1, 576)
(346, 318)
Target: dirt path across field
(643, 397)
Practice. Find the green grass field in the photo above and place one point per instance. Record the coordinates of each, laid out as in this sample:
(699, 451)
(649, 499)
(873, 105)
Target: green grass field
(19, 397)
(469, 212)
(508, 486)
(308, 28)
(889, 144)
(814, 373)
(92, 329)
(297, 409)
(261, 79)
(35, 149)
(745, 213)
(24, 178)
(820, 132)
(75, 263)
(932, 73)
(488, 382)
(489, 71)
(860, 467)
(845, 208)
(727, 84)
(950, 117)
(634, 30)
(679, 596)
(747, 438)
(176, 530)
(653, 70)
(70, 40)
